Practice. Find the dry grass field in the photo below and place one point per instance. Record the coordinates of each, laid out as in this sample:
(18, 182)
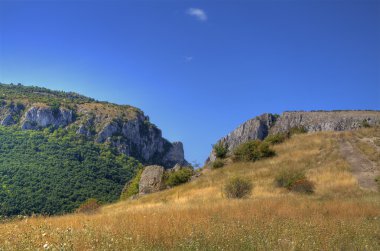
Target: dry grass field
(339, 215)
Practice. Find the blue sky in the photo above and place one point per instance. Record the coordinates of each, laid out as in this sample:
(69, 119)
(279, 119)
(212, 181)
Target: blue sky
(198, 68)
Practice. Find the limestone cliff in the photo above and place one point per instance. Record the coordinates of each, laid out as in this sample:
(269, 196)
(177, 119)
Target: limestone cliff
(261, 126)
(256, 128)
(124, 127)
(41, 117)
(325, 121)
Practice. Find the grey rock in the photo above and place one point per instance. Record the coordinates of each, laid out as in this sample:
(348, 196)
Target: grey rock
(177, 167)
(260, 127)
(108, 131)
(143, 141)
(40, 117)
(8, 120)
(175, 155)
(9, 114)
(256, 128)
(84, 128)
(151, 180)
(136, 136)
(325, 121)
(140, 139)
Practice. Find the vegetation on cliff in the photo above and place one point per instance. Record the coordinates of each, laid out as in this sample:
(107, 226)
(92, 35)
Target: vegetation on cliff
(59, 149)
(53, 172)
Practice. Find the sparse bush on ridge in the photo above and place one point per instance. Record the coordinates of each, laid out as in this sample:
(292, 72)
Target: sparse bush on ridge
(89, 206)
(178, 177)
(238, 188)
(280, 137)
(297, 130)
(218, 163)
(277, 138)
(220, 150)
(253, 150)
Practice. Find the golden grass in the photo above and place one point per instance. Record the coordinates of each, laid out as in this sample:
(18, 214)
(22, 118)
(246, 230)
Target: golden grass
(196, 216)
(369, 150)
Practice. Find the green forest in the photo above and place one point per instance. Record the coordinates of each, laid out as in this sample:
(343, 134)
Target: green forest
(53, 171)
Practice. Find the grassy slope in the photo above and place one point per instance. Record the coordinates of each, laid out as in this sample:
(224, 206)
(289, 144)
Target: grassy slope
(196, 216)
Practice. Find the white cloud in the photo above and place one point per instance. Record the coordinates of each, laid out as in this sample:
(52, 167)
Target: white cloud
(188, 59)
(197, 13)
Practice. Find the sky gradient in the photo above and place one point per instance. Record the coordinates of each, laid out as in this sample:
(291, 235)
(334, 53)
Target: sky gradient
(198, 68)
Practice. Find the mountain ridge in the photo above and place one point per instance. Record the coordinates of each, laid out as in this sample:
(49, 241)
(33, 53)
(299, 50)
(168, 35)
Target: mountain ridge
(263, 125)
(124, 127)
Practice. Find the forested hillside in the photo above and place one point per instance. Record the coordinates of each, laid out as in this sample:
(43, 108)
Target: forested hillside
(54, 171)
(58, 149)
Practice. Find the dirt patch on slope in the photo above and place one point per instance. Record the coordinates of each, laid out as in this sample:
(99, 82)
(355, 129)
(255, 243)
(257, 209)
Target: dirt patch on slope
(362, 168)
(372, 141)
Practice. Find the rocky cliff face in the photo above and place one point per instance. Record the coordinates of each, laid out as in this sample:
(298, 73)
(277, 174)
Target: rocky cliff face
(10, 113)
(256, 128)
(261, 126)
(325, 121)
(140, 139)
(41, 117)
(124, 127)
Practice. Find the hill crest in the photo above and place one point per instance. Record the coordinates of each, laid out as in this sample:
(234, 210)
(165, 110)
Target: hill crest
(311, 121)
(124, 127)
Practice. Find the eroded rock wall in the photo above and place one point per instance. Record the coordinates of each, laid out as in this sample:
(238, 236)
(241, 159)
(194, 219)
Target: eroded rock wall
(263, 125)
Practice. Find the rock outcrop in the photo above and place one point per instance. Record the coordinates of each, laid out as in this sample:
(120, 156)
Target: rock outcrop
(256, 128)
(135, 137)
(260, 127)
(326, 121)
(151, 180)
(121, 126)
(175, 155)
(40, 117)
(142, 140)
(9, 113)
(8, 120)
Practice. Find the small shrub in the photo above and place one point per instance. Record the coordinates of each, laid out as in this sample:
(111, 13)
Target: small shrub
(294, 180)
(365, 124)
(132, 187)
(178, 177)
(287, 177)
(277, 138)
(218, 163)
(253, 150)
(220, 150)
(89, 206)
(297, 130)
(302, 186)
(237, 187)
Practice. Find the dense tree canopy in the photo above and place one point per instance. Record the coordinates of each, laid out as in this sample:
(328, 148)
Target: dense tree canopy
(54, 171)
